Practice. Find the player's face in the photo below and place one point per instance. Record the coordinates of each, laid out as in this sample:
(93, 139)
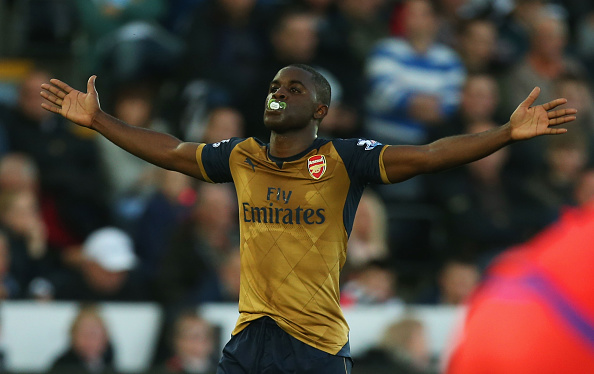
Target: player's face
(292, 88)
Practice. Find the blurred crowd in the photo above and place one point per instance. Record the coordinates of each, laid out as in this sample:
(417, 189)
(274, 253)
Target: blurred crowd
(82, 220)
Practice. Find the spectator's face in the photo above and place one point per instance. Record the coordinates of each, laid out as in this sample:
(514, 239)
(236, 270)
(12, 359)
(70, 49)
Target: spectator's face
(479, 98)
(296, 41)
(102, 280)
(23, 213)
(458, 281)
(479, 41)
(89, 339)
(489, 167)
(567, 162)
(16, 175)
(134, 110)
(378, 283)
(194, 340)
(173, 184)
(29, 98)
(224, 123)
(549, 39)
(420, 20)
(578, 94)
(216, 208)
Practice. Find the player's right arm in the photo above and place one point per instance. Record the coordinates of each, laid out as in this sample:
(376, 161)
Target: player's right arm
(84, 109)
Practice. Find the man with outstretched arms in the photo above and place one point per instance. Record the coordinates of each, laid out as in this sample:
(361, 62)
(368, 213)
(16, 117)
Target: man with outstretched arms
(297, 199)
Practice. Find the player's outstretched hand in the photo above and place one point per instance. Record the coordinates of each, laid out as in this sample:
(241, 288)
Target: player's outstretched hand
(78, 107)
(528, 122)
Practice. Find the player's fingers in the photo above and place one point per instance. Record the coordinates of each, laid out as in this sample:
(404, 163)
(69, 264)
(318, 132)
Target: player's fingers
(553, 104)
(66, 88)
(51, 108)
(91, 84)
(561, 112)
(556, 131)
(55, 90)
(561, 120)
(531, 98)
(51, 97)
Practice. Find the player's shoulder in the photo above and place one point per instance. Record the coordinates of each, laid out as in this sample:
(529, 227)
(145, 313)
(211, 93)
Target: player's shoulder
(231, 142)
(353, 148)
(356, 144)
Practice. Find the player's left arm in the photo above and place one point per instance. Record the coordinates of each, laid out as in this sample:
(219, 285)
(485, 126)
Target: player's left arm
(404, 162)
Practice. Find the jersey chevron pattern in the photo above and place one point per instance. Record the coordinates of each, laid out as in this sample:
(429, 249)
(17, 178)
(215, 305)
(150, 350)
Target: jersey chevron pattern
(295, 217)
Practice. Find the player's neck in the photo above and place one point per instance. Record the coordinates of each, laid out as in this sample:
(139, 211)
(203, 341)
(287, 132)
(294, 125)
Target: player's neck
(289, 144)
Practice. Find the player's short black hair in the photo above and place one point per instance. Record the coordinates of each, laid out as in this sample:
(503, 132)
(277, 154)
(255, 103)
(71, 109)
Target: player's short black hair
(323, 90)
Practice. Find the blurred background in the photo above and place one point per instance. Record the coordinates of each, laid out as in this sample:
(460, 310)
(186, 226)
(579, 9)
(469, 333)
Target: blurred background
(111, 265)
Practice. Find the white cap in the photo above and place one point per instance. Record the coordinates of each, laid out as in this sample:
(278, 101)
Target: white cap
(111, 248)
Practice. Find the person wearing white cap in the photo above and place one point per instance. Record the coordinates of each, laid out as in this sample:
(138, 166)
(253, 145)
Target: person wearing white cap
(107, 271)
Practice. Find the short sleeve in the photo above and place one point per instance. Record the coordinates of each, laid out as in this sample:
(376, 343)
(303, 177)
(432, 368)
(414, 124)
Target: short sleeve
(213, 160)
(363, 159)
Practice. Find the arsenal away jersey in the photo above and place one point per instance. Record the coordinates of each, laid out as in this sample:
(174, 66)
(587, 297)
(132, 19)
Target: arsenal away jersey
(295, 218)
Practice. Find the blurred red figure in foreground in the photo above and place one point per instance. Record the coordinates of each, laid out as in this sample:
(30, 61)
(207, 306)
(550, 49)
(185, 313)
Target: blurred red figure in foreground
(534, 312)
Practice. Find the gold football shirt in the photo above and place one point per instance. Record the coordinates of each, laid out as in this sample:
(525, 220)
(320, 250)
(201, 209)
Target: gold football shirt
(295, 217)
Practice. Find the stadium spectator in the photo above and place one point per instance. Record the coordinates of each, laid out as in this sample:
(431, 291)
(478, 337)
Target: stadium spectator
(401, 105)
(553, 189)
(226, 45)
(164, 211)
(20, 218)
(89, 350)
(456, 280)
(72, 184)
(372, 283)
(403, 348)
(515, 29)
(484, 207)
(124, 40)
(579, 91)
(369, 236)
(198, 246)
(477, 46)
(127, 174)
(414, 85)
(546, 61)
(193, 343)
(18, 172)
(108, 271)
(221, 284)
(479, 103)
(223, 123)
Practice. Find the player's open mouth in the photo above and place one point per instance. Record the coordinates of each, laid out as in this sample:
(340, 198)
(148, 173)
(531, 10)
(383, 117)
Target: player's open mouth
(276, 105)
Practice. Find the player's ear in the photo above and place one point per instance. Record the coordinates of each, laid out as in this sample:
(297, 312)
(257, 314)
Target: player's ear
(321, 111)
